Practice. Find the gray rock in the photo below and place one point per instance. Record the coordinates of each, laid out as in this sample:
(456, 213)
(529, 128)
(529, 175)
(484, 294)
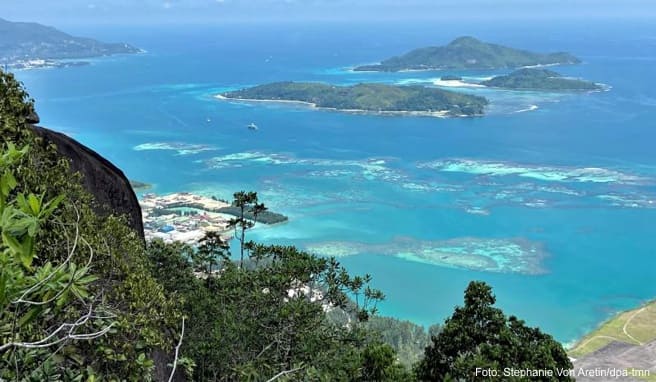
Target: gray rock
(106, 182)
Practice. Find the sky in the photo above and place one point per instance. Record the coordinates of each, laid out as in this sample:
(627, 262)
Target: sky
(67, 12)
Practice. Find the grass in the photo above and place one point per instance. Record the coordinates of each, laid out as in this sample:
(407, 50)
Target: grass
(636, 326)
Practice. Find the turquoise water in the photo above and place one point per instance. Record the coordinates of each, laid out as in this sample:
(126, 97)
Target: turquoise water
(551, 198)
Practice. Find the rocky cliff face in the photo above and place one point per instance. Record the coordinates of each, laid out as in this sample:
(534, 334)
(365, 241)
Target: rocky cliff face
(102, 179)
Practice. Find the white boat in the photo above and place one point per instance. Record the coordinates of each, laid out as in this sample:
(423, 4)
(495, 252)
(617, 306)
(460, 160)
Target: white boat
(252, 126)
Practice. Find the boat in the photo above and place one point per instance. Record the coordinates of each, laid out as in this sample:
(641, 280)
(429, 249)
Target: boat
(252, 126)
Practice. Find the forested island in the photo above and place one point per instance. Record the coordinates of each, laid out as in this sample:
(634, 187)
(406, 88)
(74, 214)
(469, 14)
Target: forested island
(468, 53)
(30, 45)
(378, 98)
(540, 79)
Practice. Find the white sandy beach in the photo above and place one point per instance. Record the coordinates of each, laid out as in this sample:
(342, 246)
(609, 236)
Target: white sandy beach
(436, 114)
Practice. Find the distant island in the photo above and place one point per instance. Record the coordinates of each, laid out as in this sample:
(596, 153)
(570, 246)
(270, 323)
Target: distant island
(540, 79)
(32, 45)
(376, 98)
(468, 53)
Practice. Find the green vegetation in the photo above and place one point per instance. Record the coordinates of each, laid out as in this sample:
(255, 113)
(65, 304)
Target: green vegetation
(468, 53)
(32, 292)
(636, 326)
(479, 335)
(265, 217)
(244, 201)
(368, 97)
(27, 41)
(408, 339)
(539, 79)
(254, 319)
(78, 302)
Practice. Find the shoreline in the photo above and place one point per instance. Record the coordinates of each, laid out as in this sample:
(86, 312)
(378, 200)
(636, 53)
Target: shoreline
(433, 69)
(604, 88)
(433, 114)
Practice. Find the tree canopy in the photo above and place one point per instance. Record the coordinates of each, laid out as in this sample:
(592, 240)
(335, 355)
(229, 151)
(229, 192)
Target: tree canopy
(478, 336)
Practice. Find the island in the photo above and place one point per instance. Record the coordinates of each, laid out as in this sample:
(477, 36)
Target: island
(32, 45)
(468, 53)
(540, 79)
(368, 98)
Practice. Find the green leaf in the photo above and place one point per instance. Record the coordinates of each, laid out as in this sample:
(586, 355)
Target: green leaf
(22, 202)
(11, 242)
(51, 206)
(27, 252)
(10, 180)
(35, 204)
(29, 316)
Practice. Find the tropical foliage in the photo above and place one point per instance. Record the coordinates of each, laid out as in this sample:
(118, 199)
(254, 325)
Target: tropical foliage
(69, 275)
(264, 315)
(479, 336)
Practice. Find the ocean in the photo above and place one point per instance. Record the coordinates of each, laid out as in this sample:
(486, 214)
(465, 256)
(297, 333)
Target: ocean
(550, 198)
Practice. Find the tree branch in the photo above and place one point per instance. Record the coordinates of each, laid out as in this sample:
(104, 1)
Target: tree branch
(177, 351)
(285, 372)
(50, 341)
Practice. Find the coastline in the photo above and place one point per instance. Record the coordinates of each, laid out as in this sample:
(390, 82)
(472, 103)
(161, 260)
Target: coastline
(435, 68)
(604, 88)
(434, 114)
(457, 84)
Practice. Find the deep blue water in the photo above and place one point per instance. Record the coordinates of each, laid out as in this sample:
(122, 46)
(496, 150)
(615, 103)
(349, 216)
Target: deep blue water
(373, 187)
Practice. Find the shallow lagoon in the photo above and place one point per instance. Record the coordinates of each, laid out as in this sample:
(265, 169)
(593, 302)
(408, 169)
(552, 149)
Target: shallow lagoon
(569, 176)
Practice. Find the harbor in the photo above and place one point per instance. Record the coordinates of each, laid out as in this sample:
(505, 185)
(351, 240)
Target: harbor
(183, 217)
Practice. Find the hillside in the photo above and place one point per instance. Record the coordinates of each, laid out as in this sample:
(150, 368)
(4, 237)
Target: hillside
(21, 42)
(468, 53)
(376, 98)
(633, 327)
(626, 342)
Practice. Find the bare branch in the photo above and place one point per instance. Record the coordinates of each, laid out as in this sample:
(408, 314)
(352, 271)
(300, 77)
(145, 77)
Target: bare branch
(285, 372)
(52, 339)
(177, 351)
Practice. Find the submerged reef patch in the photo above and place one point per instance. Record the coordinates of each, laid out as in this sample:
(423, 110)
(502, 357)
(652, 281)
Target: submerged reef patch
(516, 255)
(179, 147)
(367, 169)
(543, 173)
(476, 187)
